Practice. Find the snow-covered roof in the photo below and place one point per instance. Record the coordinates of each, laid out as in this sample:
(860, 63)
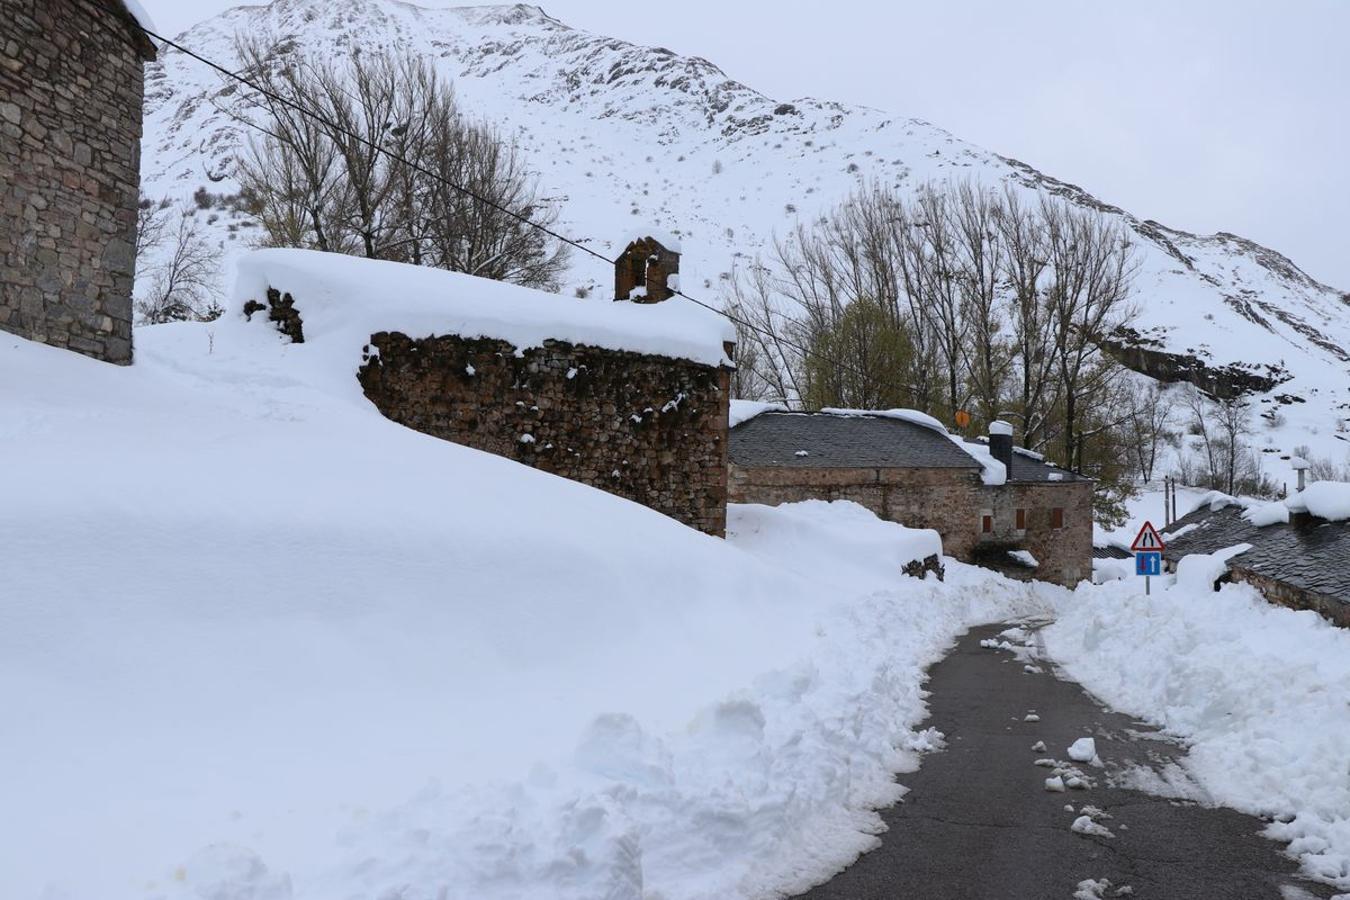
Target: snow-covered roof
(1313, 556)
(140, 15)
(335, 292)
(835, 440)
(745, 410)
(1027, 466)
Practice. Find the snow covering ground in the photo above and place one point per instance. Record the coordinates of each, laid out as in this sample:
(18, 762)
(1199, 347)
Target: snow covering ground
(1257, 692)
(259, 643)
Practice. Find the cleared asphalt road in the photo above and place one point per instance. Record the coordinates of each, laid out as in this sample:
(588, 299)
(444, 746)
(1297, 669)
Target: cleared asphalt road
(979, 823)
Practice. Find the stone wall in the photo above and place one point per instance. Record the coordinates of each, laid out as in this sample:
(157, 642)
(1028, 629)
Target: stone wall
(70, 129)
(651, 429)
(1065, 553)
(952, 502)
(1283, 594)
(648, 265)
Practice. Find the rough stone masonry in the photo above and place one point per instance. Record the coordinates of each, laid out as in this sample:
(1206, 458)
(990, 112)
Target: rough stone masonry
(71, 92)
(647, 428)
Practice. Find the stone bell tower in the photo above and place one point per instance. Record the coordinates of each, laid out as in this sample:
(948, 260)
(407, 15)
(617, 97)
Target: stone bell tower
(648, 271)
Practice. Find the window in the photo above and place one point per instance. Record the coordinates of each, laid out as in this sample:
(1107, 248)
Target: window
(987, 524)
(1021, 520)
(1057, 518)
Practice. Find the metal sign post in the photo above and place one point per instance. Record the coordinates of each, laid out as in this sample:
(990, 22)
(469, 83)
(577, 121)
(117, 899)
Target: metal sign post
(1148, 550)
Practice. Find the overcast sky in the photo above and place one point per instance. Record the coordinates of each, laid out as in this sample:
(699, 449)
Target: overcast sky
(1207, 115)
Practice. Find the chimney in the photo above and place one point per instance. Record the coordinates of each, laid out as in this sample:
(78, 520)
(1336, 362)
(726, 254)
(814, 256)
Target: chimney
(1301, 466)
(648, 271)
(1001, 444)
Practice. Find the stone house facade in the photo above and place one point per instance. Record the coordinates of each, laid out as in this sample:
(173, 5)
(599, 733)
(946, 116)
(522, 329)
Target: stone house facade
(910, 474)
(1301, 564)
(71, 93)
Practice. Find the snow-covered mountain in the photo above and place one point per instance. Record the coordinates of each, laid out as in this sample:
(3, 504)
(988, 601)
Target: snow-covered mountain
(630, 137)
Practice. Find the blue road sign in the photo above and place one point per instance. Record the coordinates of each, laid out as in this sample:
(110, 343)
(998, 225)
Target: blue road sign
(1148, 563)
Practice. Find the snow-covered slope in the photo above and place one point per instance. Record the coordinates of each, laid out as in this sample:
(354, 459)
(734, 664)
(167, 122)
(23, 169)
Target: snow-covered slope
(259, 643)
(628, 137)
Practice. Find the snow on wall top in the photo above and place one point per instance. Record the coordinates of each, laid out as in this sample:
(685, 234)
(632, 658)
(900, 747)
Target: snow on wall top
(335, 292)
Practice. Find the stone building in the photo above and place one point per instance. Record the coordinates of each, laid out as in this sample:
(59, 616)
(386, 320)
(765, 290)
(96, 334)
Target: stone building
(648, 270)
(632, 399)
(71, 90)
(1037, 524)
(1302, 564)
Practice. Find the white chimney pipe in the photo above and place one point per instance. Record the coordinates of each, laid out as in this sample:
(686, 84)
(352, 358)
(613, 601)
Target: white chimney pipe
(1301, 466)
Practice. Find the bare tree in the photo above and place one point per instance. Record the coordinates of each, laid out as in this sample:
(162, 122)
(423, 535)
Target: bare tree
(976, 216)
(1151, 420)
(770, 362)
(388, 168)
(152, 222)
(1223, 431)
(1025, 260)
(183, 287)
(1091, 266)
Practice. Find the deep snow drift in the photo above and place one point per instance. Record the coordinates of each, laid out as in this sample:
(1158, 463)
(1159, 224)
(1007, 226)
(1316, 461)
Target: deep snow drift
(258, 643)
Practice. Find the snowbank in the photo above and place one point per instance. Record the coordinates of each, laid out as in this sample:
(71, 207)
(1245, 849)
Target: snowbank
(1199, 572)
(259, 643)
(346, 294)
(745, 410)
(1257, 691)
(1328, 500)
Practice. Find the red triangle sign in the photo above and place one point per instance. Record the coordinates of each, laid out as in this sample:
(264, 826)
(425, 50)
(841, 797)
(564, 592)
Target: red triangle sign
(1148, 540)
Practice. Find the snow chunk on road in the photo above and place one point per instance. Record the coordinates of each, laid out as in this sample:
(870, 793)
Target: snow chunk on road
(1083, 750)
(1055, 784)
(1085, 825)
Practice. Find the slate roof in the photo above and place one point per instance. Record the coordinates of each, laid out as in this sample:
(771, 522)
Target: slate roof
(1309, 553)
(842, 442)
(861, 442)
(1027, 467)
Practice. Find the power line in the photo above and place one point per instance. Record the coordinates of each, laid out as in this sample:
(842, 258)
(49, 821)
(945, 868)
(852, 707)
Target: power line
(524, 220)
